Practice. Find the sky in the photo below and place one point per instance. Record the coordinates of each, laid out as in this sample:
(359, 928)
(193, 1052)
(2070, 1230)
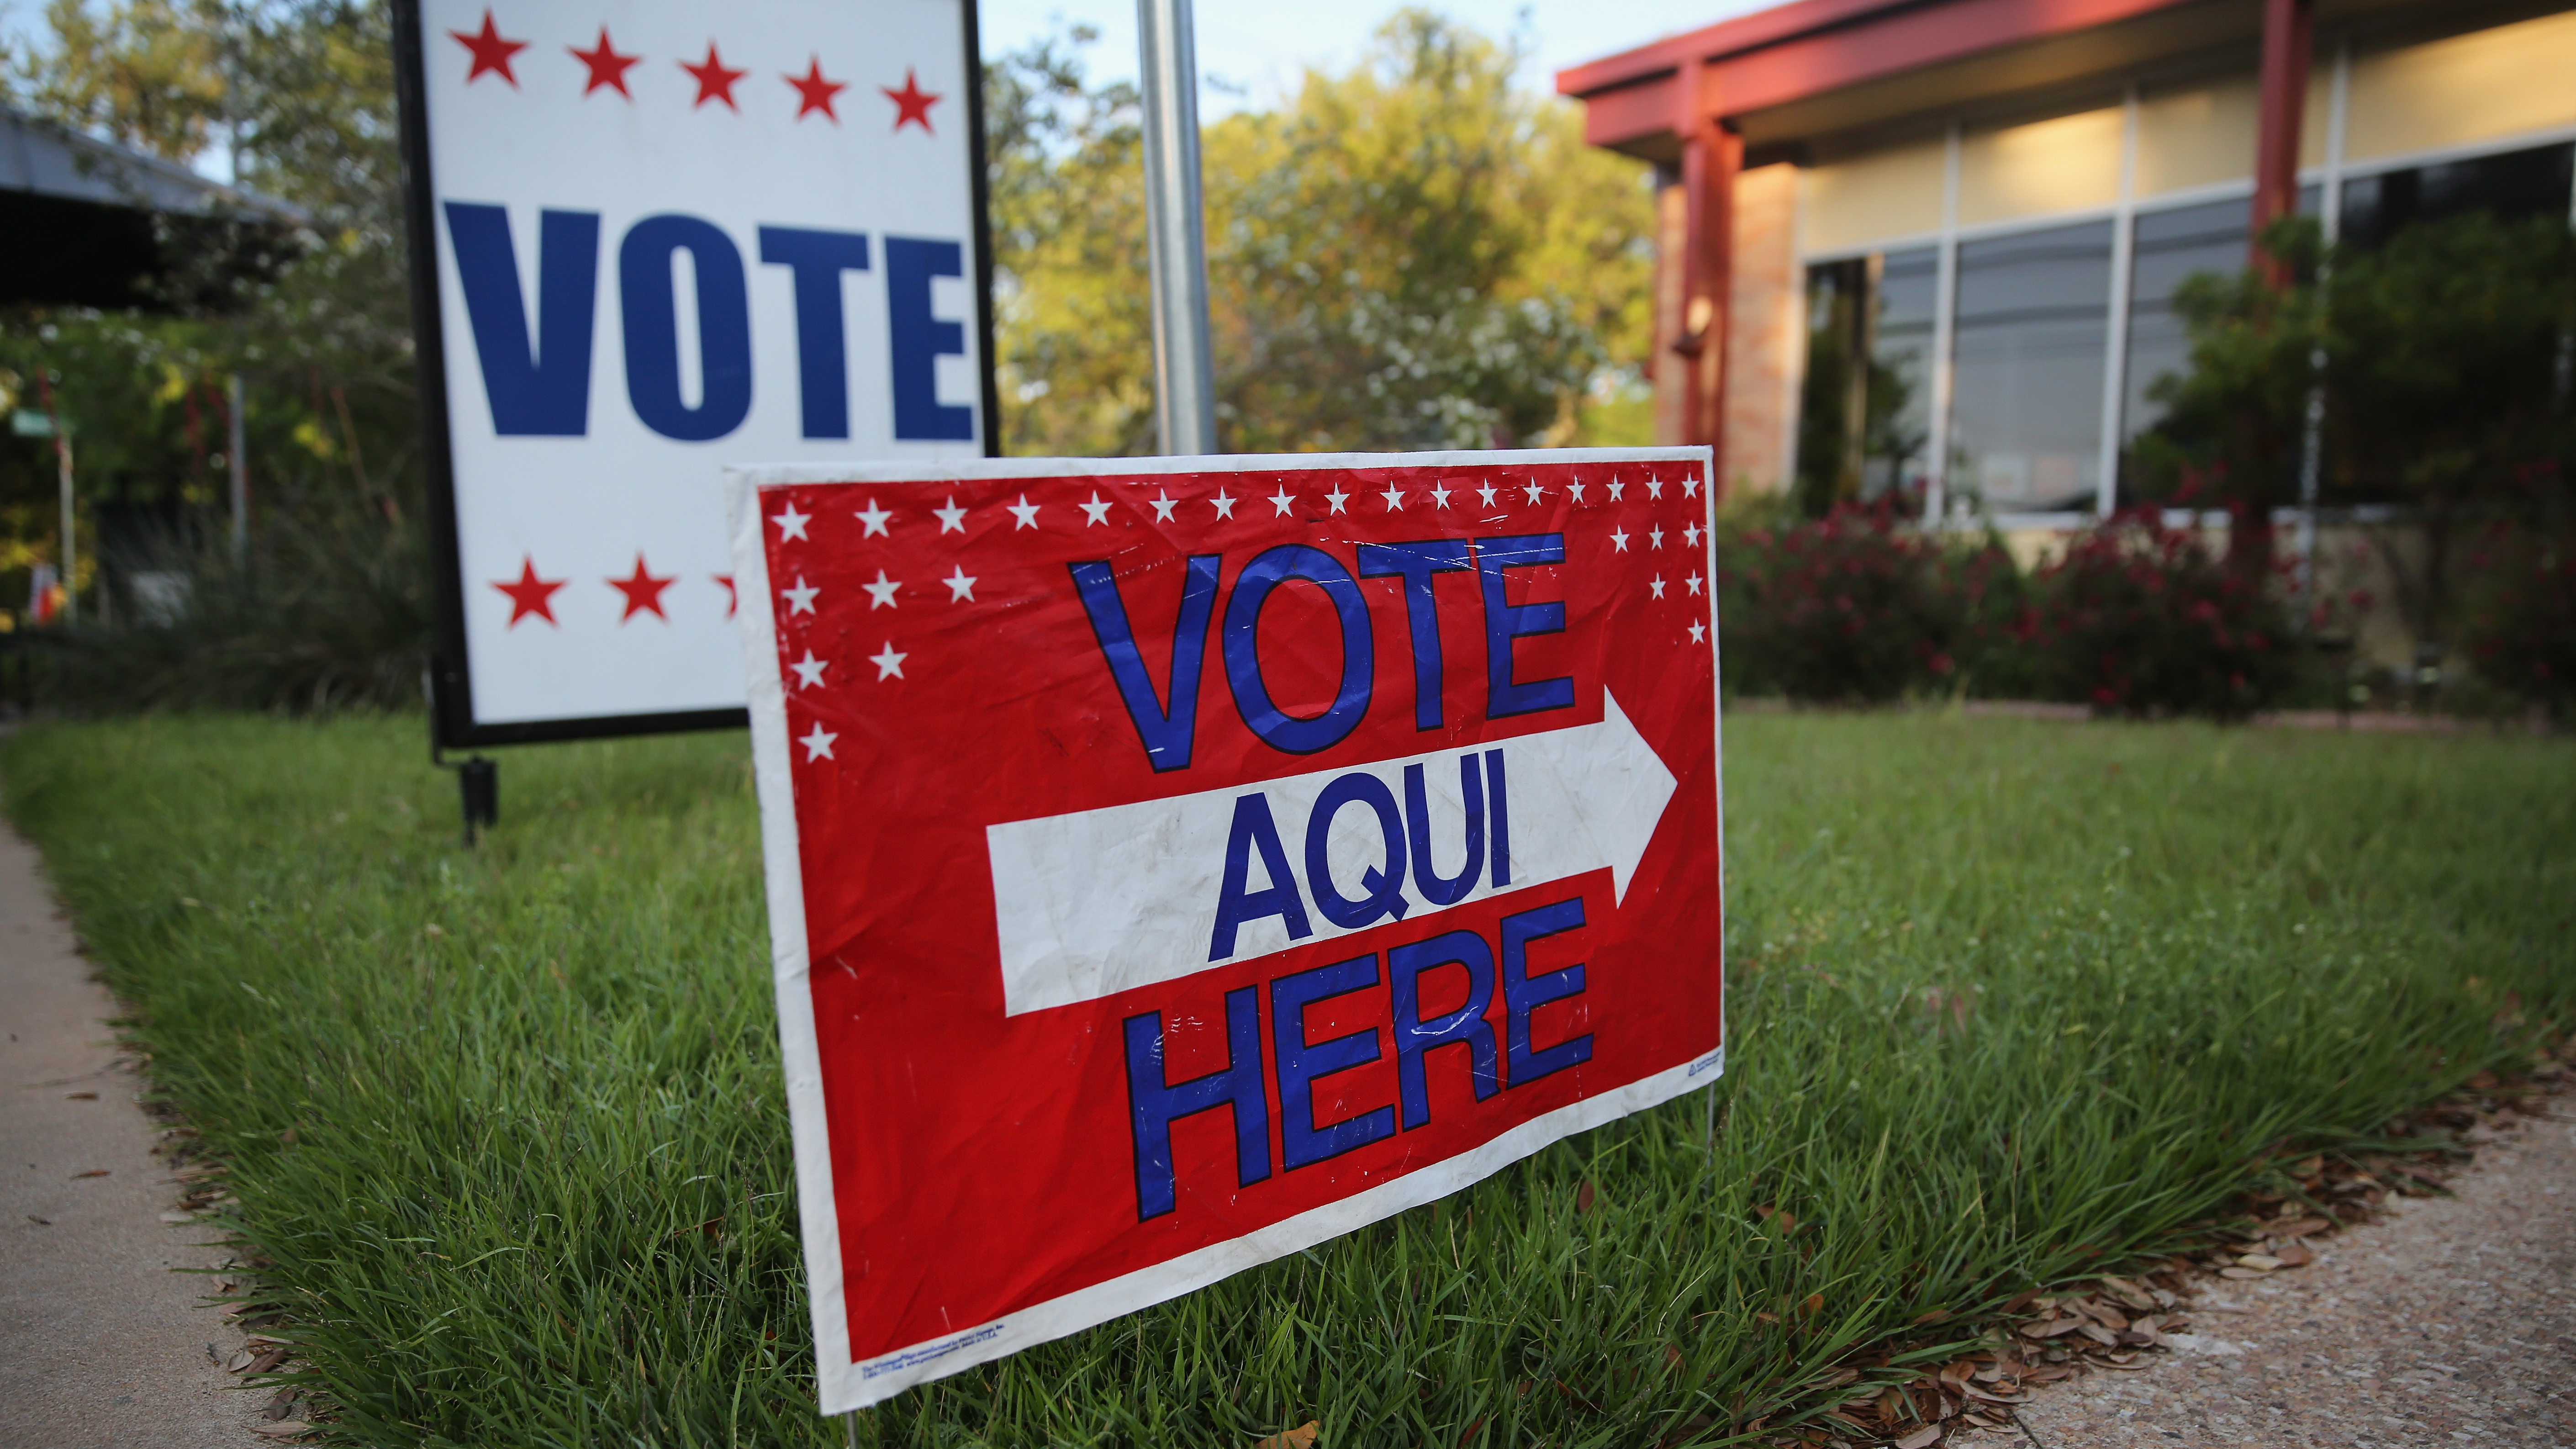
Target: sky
(1254, 51)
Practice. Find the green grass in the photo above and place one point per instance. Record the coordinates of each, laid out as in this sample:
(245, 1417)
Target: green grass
(538, 1191)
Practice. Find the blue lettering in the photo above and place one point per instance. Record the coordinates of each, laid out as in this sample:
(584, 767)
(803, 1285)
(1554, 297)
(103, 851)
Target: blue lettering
(1167, 730)
(645, 281)
(1506, 622)
(1385, 887)
(1417, 821)
(1465, 1026)
(1252, 588)
(816, 260)
(1301, 1142)
(1524, 993)
(1254, 830)
(537, 387)
(1153, 1104)
(1498, 800)
(919, 340)
(1415, 563)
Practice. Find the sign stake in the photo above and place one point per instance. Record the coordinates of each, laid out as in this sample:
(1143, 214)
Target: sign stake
(1176, 231)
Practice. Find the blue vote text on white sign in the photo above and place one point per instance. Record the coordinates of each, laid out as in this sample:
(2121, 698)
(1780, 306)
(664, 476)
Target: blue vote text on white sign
(672, 238)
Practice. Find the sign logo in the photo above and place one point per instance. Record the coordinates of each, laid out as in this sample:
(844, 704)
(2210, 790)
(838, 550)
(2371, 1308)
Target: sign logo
(1175, 864)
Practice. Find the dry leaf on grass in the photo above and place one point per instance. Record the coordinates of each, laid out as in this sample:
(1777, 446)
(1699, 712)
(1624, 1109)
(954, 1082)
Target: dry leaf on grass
(1583, 1198)
(286, 1429)
(1301, 1437)
(240, 1360)
(178, 1217)
(2295, 1255)
(80, 1096)
(1921, 1438)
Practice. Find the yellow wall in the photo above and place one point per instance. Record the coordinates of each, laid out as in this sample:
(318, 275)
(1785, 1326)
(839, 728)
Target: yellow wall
(1870, 198)
(2068, 163)
(2197, 137)
(2470, 88)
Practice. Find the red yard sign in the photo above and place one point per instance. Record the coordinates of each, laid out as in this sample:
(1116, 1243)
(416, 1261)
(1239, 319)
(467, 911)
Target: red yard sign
(1175, 863)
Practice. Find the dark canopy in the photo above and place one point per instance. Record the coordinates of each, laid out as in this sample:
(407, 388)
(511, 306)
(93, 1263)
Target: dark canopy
(85, 222)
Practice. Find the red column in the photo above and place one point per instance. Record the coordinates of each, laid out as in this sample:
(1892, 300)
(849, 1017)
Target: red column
(2286, 47)
(1712, 156)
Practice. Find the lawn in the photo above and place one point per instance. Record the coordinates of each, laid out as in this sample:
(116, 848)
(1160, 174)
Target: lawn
(2012, 1002)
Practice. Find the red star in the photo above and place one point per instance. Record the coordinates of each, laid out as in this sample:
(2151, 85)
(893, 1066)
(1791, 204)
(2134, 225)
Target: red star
(715, 83)
(817, 92)
(912, 103)
(643, 592)
(491, 53)
(607, 67)
(531, 595)
(733, 599)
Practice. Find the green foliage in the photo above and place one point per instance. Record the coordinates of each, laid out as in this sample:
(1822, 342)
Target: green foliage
(1857, 607)
(2522, 616)
(2439, 358)
(2011, 1003)
(1411, 254)
(2137, 618)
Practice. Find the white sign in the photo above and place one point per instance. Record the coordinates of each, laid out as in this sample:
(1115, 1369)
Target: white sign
(669, 238)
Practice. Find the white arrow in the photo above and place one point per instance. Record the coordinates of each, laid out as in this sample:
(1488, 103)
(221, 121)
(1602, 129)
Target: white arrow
(1103, 901)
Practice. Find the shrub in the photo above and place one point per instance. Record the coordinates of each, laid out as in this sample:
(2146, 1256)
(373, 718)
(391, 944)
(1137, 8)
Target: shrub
(2522, 624)
(1852, 608)
(333, 614)
(2140, 619)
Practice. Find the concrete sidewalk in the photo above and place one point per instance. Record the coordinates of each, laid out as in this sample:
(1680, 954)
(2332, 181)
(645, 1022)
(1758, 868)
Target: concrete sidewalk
(107, 1346)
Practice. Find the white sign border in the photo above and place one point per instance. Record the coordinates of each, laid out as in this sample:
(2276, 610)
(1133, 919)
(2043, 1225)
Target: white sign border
(845, 1385)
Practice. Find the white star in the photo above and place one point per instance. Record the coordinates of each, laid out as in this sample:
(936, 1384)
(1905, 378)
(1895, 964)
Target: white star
(1574, 491)
(1394, 497)
(1654, 488)
(1224, 503)
(1095, 511)
(1690, 535)
(1619, 539)
(800, 599)
(1690, 487)
(889, 664)
(1534, 491)
(874, 517)
(809, 670)
(1655, 536)
(881, 593)
(1164, 503)
(1025, 511)
(1335, 497)
(1657, 584)
(952, 519)
(1698, 634)
(1617, 488)
(961, 586)
(1280, 501)
(1440, 497)
(1694, 583)
(1486, 493)
(818, 745)
(791, 524)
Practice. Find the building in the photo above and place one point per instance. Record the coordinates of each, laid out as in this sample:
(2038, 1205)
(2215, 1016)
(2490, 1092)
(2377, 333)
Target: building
(1992, 201)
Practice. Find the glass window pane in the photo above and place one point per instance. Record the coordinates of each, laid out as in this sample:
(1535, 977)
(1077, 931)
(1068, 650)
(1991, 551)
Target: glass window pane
(2170, 246)
(2033, 322)
(1862, 429)
(2511, 186)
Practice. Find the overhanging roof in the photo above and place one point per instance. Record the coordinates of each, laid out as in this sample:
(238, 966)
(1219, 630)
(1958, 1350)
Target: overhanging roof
(86, 222)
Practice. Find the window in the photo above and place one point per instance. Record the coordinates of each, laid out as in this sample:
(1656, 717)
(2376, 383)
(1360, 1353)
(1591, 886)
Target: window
(2033, 325)
(1863, 429)
(2170, 246)
(2512, 186)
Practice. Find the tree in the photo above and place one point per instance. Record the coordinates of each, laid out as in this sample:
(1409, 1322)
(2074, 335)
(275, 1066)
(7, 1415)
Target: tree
(1411, 254)
(2439, 358)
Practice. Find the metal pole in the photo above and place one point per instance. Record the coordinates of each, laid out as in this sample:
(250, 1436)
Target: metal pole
(1176, 231)
(240, 468)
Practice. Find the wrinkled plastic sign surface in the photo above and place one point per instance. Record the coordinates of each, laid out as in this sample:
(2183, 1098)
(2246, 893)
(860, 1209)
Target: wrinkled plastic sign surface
(1175, 863)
